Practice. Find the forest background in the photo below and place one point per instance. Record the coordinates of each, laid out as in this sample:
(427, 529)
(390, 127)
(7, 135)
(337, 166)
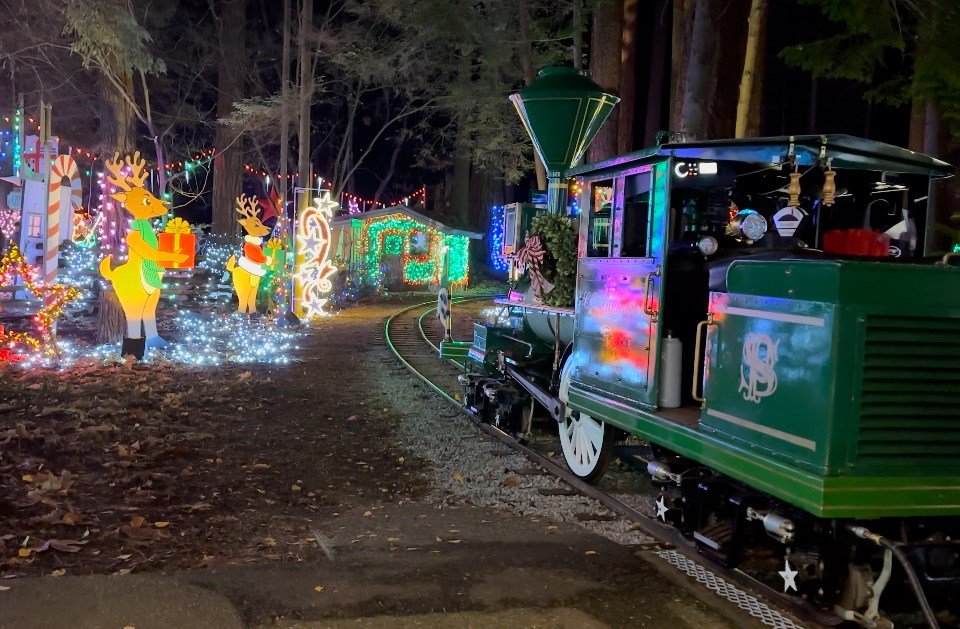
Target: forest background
(381, 98)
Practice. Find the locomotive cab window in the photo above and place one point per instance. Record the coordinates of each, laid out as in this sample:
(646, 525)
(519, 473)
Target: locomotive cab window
(636, 216)
(599, 227)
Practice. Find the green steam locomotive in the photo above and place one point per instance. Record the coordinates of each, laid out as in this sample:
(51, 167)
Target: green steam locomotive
(766, 313)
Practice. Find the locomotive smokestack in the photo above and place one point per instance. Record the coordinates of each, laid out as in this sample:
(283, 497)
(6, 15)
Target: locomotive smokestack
(562, 110)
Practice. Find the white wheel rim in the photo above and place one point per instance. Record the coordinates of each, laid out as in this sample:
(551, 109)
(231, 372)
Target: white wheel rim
(581, 439)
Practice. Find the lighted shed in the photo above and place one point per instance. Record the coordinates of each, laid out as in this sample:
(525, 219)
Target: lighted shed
(408, 248)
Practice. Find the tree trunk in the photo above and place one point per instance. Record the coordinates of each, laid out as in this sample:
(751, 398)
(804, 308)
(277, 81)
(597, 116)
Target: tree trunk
(392, 167)
(699, 74)
(486, 192)
(578, 34)
(157, 144)
(628, 76)
(306, 98)
(755, 25)
(931, 131)
(228, 158)
(343, 163)
(525, 52)
(680, 51)
(605, 53)
(284, 183)
(918, 119)
(460, 190)
(755, 117)
(117, 133)
(658, 65)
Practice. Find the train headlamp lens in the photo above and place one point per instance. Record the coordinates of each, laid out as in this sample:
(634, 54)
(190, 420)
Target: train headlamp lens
(753, 227)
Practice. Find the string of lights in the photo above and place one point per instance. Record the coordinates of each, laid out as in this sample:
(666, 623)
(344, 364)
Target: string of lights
(497, 261)
(235, 338)
(419, 246)
(355, 203)
(54, 297)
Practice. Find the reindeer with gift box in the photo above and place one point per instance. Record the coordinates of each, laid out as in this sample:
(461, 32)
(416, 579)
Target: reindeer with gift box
(253, 264)
(138, 281)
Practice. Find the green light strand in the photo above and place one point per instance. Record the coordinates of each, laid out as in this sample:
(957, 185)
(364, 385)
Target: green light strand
(458, 267)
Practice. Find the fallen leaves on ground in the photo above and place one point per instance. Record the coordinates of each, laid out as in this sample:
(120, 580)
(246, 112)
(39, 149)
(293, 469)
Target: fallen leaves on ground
(130, 467)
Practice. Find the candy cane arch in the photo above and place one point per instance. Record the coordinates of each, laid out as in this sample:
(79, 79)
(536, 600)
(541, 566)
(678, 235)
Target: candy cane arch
(63, 166)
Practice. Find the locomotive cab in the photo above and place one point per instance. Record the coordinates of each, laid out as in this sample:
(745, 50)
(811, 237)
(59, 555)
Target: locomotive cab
(659, 237)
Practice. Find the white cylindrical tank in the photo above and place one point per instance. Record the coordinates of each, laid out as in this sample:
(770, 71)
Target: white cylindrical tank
(671, 360)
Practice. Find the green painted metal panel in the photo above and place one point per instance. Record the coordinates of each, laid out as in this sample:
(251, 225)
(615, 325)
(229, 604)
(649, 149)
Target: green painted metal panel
(830, 497)
(455, 350)
(769, 377)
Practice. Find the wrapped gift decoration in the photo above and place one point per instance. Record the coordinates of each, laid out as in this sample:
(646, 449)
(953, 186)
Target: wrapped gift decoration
(178, 238)
(274, 250)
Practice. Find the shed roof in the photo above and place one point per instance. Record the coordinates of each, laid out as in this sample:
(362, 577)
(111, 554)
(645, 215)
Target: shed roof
(402, 209)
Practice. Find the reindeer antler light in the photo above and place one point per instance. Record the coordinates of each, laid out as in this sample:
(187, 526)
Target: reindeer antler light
(138, 172)
(247, 206)
(115, 165)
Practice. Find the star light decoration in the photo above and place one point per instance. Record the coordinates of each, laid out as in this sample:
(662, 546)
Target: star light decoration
(789, 577)
(313, 266)
(54, 297)
(662, 508)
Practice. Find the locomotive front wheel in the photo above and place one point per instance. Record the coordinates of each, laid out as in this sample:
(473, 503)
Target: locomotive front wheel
(587, 445)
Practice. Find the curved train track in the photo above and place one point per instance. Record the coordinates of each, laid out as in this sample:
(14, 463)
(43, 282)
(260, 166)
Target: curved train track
(416, 346)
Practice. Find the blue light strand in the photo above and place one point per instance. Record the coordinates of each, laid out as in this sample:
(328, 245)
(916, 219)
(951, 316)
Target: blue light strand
(497, 261)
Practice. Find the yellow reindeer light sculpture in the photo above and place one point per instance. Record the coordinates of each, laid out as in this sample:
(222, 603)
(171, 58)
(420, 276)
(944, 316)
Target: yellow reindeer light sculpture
(253, 264)
(139, 280)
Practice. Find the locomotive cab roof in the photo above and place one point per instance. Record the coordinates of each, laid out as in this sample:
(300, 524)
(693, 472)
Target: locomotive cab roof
(843, 151)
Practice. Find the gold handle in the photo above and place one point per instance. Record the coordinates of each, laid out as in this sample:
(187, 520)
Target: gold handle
(698, 356)
(946, 258)
(648, 282)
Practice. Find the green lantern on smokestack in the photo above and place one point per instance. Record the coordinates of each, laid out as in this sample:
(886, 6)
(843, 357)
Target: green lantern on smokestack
(562, 110)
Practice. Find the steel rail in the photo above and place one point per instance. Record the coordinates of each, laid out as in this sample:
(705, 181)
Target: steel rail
(682, 556)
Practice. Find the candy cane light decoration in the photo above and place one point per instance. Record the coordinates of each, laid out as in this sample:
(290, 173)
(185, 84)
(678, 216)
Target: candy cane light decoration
(62, 167)
(313, 267)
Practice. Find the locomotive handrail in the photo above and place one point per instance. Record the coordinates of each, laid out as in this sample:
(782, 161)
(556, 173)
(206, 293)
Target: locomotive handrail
(699, 356)
(647, 309)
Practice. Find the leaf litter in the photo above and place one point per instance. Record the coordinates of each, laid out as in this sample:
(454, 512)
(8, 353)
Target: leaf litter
(129, 467)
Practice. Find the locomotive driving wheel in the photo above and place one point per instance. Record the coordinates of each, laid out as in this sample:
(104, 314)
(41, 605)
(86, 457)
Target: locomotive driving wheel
(587, 443)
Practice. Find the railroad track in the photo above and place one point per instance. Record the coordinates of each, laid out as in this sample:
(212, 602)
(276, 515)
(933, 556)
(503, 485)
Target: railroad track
(416, 345)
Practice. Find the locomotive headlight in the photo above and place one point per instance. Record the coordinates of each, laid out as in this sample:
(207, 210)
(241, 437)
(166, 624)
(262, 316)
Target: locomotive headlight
(748, 225)
(754, 227)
